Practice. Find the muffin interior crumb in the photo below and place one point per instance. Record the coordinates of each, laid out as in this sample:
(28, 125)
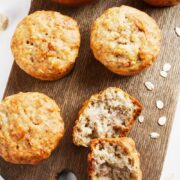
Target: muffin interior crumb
(106, 115)
(111, 162)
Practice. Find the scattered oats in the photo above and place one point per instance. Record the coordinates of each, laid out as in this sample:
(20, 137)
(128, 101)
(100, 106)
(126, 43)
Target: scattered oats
(154, 135)
(177, 29)
(163, 74)
(3, 22)
(149, 85)
(166, 67)
(141, 119)
(159, 104)
(162, 121)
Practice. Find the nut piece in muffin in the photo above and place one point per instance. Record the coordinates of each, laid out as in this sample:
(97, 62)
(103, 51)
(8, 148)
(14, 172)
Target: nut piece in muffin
(114, 159)
(125, 40)
(46, 44)
(109, 114)
(30, 127)
(162, 2)
(72, 2)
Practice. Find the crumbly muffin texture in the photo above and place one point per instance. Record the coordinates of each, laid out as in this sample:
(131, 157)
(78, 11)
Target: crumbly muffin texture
(30, 127)
(46, 44)
(114, 159)
(125, 40)
(110, 113)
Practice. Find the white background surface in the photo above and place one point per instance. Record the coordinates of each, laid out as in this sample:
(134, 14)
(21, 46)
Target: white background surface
(16, 10)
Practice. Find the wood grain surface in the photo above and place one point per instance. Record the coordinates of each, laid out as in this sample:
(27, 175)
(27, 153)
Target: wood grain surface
(89, 77)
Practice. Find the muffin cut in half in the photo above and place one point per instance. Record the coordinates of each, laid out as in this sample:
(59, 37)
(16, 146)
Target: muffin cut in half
(125, 40)
(109, 114)
(114, 159)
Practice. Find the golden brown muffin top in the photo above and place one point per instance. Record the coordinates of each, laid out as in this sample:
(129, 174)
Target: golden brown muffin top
(30, 127)
(125, 38)
(46, 43)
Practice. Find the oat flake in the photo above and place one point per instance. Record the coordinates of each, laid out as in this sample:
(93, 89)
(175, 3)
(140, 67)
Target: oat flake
(3, 22)
(166, 67)
(159, 104)
(163, 74)
(141, 119)
(162, 121)
(154, 135)
(149, 85)
(177, 29)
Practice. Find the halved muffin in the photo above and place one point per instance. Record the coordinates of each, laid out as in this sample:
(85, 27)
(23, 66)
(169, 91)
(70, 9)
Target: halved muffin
(109, 114)
(114, 159)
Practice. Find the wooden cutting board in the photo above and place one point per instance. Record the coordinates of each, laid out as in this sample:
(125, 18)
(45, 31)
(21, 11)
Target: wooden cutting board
(89, 77)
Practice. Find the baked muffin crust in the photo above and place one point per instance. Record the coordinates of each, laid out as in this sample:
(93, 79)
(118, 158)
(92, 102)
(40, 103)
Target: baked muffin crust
(46, 44)
(30, 127)
(125, 40)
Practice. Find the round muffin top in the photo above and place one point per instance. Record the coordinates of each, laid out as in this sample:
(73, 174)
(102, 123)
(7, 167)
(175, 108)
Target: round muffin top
(30, 127)
(125, 40)
(46, 44)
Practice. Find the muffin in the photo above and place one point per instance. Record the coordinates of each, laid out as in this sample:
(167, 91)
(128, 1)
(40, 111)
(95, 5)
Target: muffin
(109, 114)
(45, 44)
(114, 159)
(162, 2)
(30, 127)
(72, 2)
(125, 40)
